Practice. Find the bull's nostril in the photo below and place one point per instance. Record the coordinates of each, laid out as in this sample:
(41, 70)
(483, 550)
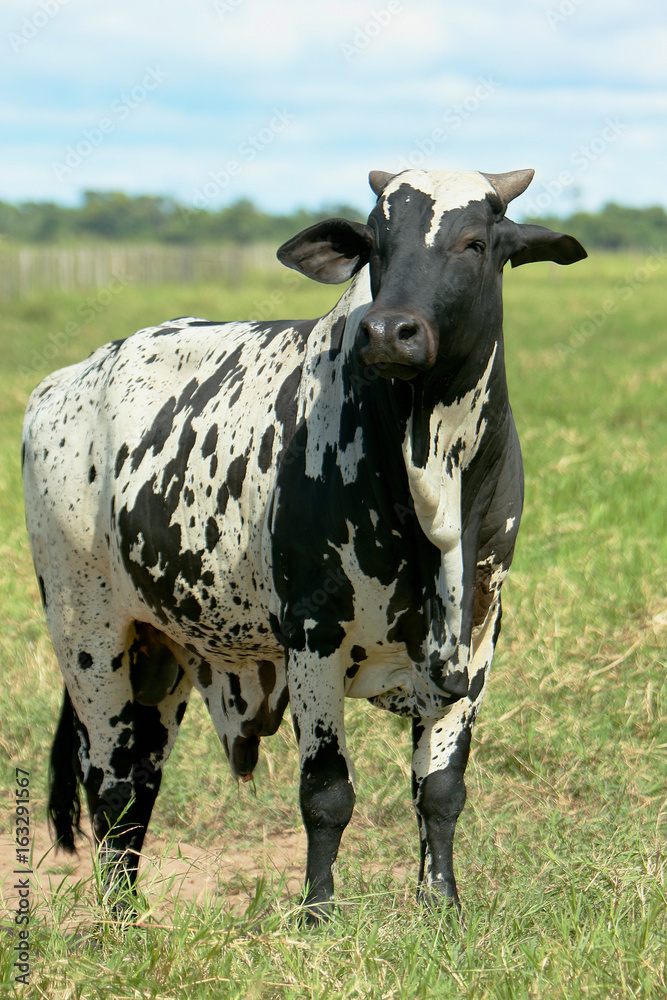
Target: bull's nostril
(407, 331)
(363, 337)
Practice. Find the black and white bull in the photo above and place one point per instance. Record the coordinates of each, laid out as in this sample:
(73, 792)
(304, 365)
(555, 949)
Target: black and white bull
(294, 511)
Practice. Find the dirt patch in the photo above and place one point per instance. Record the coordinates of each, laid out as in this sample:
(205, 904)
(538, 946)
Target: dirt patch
(168, 870)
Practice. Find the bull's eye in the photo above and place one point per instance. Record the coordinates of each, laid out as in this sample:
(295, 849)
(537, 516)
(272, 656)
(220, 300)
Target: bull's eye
(477, 246)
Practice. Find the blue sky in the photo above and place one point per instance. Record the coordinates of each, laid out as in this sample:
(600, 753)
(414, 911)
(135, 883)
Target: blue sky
(292, 104)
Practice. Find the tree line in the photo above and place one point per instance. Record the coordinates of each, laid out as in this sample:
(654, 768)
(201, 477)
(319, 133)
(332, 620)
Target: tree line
(114, 215)
(614, 227)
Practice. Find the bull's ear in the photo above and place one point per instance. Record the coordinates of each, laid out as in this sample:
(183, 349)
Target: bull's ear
(330, 251)
(539, 243)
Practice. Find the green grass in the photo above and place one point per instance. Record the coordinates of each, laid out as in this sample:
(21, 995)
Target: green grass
(561, 852)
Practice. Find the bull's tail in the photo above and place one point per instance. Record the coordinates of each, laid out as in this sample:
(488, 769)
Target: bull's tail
(64, 809)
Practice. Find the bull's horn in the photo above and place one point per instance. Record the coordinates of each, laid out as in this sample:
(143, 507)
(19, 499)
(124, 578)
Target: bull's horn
(378, 180)
(510, 185)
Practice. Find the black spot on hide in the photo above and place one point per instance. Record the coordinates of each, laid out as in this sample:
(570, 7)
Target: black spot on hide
(212, 533)
(266, 449)
(85, 660)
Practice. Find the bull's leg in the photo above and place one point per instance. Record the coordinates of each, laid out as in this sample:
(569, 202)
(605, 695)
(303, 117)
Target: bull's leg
(326, 786)
(121, 813)
(440, 754)
(123, 745)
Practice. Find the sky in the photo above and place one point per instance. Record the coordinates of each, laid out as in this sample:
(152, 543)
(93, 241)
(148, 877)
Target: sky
(291, 104)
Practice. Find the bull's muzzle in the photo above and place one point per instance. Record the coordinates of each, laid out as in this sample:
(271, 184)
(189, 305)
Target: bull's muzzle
(399, 343)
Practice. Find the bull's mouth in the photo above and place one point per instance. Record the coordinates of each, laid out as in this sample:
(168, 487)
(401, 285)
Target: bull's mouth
(391, 369)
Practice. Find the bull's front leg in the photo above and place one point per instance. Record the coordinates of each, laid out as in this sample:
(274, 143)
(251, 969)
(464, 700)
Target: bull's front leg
(440, 754)
(326, 786)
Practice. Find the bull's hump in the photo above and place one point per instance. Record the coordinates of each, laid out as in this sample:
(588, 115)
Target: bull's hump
(448, 189)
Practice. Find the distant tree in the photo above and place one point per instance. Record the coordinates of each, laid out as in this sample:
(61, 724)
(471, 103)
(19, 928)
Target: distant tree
(114, 215)
(50, 222)
(34, 221)
(614, 227)
(10, 221)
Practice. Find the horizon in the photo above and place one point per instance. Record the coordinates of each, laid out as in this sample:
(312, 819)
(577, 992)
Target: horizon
(179, 206)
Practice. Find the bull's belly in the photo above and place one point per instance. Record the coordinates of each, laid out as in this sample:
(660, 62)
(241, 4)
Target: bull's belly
(224, 617)
(231, 626)
(226, 624)
(391, 680)
(393, 671)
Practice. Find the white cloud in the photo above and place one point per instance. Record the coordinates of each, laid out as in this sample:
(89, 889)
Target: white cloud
(556, 80)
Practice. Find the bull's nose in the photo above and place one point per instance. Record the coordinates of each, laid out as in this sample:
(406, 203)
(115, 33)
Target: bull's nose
(398, 328)
(395, 338)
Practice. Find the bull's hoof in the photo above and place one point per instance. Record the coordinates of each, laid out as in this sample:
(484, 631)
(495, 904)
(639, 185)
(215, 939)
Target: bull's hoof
(124, 911)
(117, 893)
(444, 898)
(119, 905)
(317, 912)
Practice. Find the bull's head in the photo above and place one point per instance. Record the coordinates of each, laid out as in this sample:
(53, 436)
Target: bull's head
(436, 243)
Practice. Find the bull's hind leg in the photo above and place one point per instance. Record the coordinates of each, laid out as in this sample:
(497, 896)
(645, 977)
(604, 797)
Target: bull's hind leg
(440, 755)
(126, 719)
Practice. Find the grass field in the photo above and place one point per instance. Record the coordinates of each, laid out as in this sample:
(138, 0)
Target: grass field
(561, 852)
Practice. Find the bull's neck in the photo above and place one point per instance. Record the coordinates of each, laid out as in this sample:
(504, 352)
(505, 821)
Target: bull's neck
(445, 432)
(447, 404)
(432, 427)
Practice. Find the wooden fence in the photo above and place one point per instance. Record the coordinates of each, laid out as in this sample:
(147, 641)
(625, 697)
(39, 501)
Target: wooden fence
(24, 270)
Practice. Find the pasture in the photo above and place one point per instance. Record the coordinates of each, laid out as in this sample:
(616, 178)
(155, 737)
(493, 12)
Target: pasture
(561, 851)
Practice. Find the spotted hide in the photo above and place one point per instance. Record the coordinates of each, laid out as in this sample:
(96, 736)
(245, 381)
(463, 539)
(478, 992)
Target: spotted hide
(291, 510)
